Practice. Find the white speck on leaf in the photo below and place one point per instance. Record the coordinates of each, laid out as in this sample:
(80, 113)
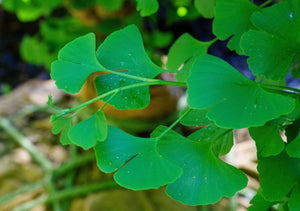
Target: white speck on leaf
(291, 15)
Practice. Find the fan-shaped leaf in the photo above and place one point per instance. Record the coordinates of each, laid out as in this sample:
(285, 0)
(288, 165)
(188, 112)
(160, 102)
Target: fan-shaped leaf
(196, 117)
(76, 61)
(205, 178)
(147, 7)
(234, 100)
(267, 139)
(86, 133)
(124, 50)
(65, 124)
(136, 161)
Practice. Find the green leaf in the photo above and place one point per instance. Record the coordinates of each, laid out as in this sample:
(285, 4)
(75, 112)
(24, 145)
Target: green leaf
(293, 148)
(90, 131)
(111, 5)
(272, 50)
(196, 117)
(259, 203)
(294, 202)
(136, 161)
(295, 70)
(205, 178)
(147, 7)
(234, 100)
(277, 175)
(206, 7)
(185, 49)
(124, 50)
(76, 61)
(222, 139)
(267, 139)
(232, 18)
(59, 124)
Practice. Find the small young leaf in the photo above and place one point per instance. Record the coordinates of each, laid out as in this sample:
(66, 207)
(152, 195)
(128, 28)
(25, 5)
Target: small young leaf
(234, 101)
(277, 175)
(86, 133)
(232, 18)
(205, 178)
(206, 7)
(259, 203)
(272, 50)
(294, 202)
(196, 117)
(267, 139)
(124, 50)
(185, 49)
(136, 161)
(76, 61)
(293, 148)
(147, 7)
(65, 124)
(222, 139)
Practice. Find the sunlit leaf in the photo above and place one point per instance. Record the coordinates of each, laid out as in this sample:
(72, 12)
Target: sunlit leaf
(267, 139)
(136, 161)
(294, 202)
(221, 138)
(124, 50)
(76, 61)
(206, 7)
(293, 148)
(234, 100)
(277, 175)
(87, 132)
(147, 7)
(205, 178)
(272, 50)
(232, 18)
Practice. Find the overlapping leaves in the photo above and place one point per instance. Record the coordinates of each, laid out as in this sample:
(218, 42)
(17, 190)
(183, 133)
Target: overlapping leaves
(272, 49)
(234, 100)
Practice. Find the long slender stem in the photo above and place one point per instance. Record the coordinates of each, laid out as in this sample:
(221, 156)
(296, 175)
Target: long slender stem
(266, 3)
(26, 144)
(131, 86)
(280, 88)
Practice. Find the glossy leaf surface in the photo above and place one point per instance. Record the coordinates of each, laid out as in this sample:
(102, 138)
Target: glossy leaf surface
(235, 101)
(226, 23)
(267, 139)
(205, 178)
(277, 174)
(124, 51)
(272, 50)
(76, 61)
(136, 161)
(87, 132)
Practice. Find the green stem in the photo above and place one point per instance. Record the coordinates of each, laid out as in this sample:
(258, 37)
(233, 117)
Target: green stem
(147, 83)
(26, 144)
(174, 123)
(266, 3)
(280, 88)
(131, 76)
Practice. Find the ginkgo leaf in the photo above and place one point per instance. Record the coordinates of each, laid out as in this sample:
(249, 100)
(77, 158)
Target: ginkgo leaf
(293, 148)
(147, 7)
(232, 18)
(234, 100)
(206, 7)
(87, 132)
(63, 124)
(259, 203)
(185, 49)
(277, 175)
(76, 61)
(267, 139)
(124, 51)
(205, 179)
(294, 202)
(222, 139)
(272, 50)
(195, 117)
(136, 161)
